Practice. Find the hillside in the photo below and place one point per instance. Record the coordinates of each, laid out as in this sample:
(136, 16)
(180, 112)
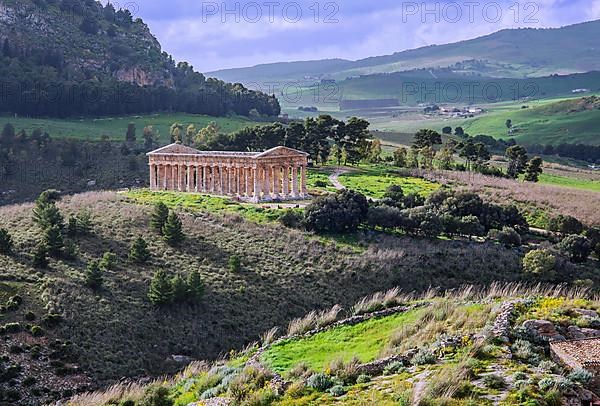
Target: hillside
(76, 57)
(515, 53)
(466, 347)
(567, 121)
(116, 331)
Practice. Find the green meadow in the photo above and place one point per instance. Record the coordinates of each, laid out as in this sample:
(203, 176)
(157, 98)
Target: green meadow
(564, 181)
(364, 341)
(373, 181)
(114, 128)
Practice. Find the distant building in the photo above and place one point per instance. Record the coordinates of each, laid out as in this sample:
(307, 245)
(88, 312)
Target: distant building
(580, 91)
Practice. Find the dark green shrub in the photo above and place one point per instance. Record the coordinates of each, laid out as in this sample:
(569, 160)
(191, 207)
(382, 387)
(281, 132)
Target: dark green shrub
(565, 225)
(29, 316)
(342, 212)
(291, 218)
(507, 237)
(234, 264)
(156, 395)
(577, 247)
(11, 327)
(363, 378)
(37, 331)
(493, 381)
(108, 261)
(6, 242)
(93, 275)
(40, 256)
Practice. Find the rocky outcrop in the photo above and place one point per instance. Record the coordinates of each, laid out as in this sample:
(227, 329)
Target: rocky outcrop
(543, 329)
(578, 333)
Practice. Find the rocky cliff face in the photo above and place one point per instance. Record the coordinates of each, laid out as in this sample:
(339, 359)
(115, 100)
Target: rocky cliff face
(83, 44)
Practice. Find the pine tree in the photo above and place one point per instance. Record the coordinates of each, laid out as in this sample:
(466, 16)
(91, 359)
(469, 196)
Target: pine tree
(93, 275)
(40, 256)
(53, 239)
(179, 288)
(172, 230)
(6, 242)
(47, 215)
(159, 217)
(139, 252)
(195, 286)
(534, 169)
(160, 292)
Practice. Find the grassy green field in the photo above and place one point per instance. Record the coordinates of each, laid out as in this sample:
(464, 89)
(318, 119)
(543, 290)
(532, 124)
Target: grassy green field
(198, 202)
(545, 122)
(373, 181)
(364, 340)
(94, 129)
(565, 181)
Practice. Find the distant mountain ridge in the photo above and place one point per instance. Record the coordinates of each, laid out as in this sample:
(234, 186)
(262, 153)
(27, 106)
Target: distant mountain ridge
(524, 52)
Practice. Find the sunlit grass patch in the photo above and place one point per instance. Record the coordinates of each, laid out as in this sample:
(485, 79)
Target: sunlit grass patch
(373, 182)
(199, 202)
(564, 181)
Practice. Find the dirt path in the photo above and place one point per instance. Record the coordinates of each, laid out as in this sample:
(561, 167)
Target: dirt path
(420, 382)
(334, 178)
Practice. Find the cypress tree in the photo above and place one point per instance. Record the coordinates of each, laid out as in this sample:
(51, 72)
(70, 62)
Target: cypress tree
(40, 256)
(195, 286)
(160, 292)
(172, 230)
(6, 242)
(93, 275)
(139, 252)
(53, 239)
(159, 216)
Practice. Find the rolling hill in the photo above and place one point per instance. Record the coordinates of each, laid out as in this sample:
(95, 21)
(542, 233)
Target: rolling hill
(507, 53)
(567, 121)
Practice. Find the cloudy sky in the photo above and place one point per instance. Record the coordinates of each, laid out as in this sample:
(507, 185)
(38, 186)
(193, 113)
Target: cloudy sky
(226, 34)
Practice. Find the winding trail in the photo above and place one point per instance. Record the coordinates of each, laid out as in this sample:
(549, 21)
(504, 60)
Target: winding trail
(334, 178)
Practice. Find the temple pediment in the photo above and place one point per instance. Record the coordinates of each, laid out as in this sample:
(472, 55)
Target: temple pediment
(281, 152)
(175, 149)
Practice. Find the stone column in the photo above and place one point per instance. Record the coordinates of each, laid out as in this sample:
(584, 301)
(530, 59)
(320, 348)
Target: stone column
(286, 181)
(303, 191)
(163, 176)
(276, 181)
(230, 180)
(189, 187)
(256, 180)
(173, 181)
(295, 181)
(152, 176)
(268, 182)
(211, 187)
(247, 176)
(204, 182)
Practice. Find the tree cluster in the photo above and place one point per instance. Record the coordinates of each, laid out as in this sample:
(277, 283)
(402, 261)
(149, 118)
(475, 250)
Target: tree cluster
(323, 138)
(443, 213)
(168, 224)
(165, 290)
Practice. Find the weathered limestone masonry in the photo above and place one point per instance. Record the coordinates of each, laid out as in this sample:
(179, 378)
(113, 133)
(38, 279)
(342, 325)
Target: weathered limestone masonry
(276, 174)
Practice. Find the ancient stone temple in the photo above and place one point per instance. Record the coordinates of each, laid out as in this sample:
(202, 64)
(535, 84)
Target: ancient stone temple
(276, 174)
